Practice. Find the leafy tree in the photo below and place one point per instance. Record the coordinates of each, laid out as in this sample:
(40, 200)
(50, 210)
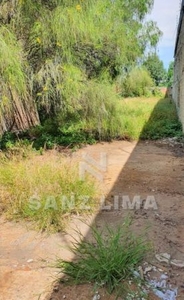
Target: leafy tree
(170, 74)
(156, 68)
(61, 45)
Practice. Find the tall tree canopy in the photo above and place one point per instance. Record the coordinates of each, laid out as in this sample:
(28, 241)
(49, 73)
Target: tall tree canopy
(156, 68)
(50, 51)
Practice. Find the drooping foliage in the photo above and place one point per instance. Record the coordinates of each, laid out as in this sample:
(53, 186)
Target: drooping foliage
(16, 106)
(53, 52)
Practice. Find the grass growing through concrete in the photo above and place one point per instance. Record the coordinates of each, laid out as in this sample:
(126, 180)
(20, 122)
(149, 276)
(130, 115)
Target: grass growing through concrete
(108, 260)
(44, 189)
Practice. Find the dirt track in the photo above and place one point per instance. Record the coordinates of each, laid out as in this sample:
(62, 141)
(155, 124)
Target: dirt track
(145, 169)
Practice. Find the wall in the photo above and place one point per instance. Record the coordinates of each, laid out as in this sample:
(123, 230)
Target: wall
(178, 84)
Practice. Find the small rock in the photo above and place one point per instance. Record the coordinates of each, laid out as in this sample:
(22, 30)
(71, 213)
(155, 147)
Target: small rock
(160, 270)
(56, 289)
(29, 261)
(163, 276)
(141, 272)
(163, 257)
(177, 263)
(96, 297)
(148, 269)
(64, 297)
(136, 274)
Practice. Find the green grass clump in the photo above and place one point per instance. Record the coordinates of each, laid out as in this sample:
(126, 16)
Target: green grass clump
(44, 189)
(108, 260)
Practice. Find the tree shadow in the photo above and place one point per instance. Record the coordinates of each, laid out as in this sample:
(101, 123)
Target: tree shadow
(144, 182)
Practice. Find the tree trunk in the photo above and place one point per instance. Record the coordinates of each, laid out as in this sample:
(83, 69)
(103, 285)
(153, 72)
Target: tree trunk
(20, 115)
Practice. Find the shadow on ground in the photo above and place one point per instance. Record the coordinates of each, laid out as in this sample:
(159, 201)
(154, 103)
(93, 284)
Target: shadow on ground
(153, 171)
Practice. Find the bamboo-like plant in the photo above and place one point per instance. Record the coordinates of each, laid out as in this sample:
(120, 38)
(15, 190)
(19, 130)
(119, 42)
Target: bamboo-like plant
(52, 52)
(16, 107)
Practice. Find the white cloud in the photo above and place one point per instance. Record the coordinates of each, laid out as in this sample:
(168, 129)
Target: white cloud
(166, 14)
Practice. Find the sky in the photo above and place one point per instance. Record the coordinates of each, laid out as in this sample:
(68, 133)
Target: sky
(166, 13)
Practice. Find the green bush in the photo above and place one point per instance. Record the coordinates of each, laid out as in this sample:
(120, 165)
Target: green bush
(97, 115)
(137, 83)
(102, 111)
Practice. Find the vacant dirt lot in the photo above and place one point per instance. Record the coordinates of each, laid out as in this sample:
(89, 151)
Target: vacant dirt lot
(134, 169)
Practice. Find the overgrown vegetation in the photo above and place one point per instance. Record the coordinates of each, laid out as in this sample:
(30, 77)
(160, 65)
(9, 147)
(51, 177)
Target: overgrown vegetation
(45, 190)
(107, 260)
(64, 67)
(33, 183)
(163, 122)
(150, 118)
(60, 60)
(137, 83)
(143, 118)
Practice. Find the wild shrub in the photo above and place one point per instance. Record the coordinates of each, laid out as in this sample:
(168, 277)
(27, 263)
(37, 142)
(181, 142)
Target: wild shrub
(137, 83)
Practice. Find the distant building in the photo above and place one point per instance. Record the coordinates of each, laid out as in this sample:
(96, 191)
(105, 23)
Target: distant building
(178, 83)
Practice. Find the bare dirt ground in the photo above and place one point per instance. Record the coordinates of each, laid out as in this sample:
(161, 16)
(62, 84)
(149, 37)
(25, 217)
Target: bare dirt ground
(134, 169)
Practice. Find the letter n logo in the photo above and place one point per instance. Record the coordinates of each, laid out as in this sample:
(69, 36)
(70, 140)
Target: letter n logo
(93, 167)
